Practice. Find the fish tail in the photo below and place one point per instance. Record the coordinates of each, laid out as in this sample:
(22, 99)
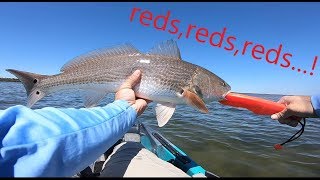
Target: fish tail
(30, 82)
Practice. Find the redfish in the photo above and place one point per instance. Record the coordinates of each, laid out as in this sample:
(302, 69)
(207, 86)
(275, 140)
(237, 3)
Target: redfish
(166, 79)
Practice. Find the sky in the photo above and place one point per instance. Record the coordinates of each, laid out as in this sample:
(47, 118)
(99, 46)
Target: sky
(41, 37)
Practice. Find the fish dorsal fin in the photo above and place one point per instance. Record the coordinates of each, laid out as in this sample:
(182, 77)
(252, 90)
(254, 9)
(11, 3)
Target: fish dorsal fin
(164, 111)
(167, 48)
(100, 55)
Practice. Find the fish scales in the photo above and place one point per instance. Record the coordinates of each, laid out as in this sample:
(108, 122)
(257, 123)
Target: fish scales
(161, 73)
(166, 79)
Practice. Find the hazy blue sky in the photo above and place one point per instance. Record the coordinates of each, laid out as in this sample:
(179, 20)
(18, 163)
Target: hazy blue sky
(41, 37)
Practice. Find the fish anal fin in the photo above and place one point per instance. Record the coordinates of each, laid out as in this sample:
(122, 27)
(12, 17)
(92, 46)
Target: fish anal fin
(164, 112)
(195, 101)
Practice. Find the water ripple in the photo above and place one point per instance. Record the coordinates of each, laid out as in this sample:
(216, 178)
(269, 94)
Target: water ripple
(227, 141)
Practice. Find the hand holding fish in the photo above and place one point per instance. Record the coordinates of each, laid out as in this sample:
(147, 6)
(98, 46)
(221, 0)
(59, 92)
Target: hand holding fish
(125, 92)
(167, 79)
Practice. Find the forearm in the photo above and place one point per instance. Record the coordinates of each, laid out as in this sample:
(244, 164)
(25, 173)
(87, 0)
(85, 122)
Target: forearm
(315, 100)
(60, 142)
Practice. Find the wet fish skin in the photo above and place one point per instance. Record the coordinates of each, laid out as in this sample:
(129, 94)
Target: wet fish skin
(166, 78)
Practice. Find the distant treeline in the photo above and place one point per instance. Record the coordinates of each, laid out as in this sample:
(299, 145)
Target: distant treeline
(9, 80)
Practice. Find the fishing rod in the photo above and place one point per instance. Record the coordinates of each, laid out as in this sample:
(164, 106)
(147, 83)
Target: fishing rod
(261, 106)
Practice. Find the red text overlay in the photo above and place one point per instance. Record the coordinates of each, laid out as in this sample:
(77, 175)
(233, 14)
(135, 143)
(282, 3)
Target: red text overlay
(164, 22)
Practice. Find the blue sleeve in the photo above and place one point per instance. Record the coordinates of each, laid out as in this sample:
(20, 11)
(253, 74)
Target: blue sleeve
(56, 141)
(315, 100)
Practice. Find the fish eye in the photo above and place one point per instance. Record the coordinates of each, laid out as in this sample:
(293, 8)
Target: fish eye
(37, 92)
(35, 81)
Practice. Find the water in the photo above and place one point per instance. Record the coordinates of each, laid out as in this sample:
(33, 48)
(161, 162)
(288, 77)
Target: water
(229, 142)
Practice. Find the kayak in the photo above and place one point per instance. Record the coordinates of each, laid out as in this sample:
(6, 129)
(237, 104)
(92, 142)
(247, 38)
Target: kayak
(157, 144)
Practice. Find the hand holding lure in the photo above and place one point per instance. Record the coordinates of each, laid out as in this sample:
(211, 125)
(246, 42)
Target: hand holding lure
(260, 106)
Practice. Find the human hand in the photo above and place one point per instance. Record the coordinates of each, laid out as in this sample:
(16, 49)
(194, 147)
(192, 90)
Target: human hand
(126, 93)
(297, 107)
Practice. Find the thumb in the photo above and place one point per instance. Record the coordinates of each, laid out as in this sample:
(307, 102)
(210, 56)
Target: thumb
(281, 115)
(132, 80)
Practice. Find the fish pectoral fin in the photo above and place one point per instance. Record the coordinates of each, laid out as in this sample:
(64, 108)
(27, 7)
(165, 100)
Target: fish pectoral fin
(195, 101)
(164, 112)
(92, 97)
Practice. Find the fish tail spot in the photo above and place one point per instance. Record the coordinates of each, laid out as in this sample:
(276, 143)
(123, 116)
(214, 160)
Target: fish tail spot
(29, 81)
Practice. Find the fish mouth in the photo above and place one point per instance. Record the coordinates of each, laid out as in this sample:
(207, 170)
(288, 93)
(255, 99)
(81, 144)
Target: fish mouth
(225, 94)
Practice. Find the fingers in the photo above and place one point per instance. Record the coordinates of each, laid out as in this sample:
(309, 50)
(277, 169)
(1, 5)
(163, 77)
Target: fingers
(125, 92)
(148, 101)
(289, 122)
(140, 105)
(132, 80)
(284, 100)
(283, 118)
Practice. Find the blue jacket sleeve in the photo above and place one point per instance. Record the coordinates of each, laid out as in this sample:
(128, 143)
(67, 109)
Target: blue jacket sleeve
(315, 100)
(56, 141)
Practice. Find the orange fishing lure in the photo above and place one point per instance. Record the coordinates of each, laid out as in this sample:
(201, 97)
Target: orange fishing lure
(260, 106)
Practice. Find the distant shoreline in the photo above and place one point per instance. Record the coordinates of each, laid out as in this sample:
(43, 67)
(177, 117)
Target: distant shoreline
(9, 80)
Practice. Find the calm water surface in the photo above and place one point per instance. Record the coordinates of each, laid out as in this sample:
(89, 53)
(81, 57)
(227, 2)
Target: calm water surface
(227, 141)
